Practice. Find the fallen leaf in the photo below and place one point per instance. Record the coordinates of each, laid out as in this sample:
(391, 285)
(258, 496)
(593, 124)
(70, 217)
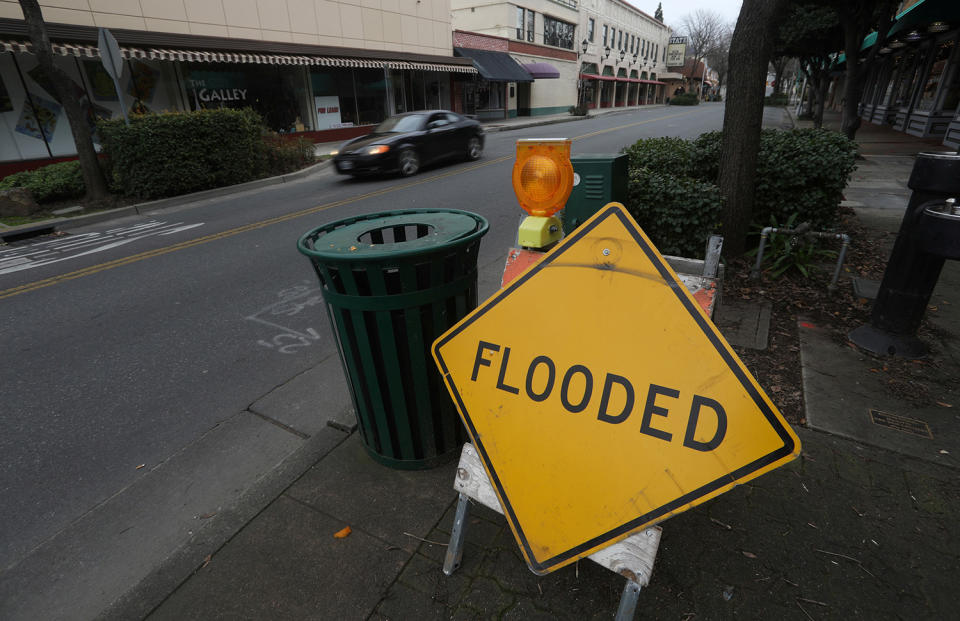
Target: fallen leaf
(206, 561)
(342, 533)
(207, 516)
(749, 554)
(944, 405)
(141, 466)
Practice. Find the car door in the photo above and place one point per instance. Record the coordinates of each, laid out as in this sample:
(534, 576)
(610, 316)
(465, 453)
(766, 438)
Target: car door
(441, 136)
(462, 134)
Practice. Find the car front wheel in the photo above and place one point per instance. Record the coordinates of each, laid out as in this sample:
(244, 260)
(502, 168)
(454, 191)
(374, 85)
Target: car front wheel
(474, 148)
(409, 162)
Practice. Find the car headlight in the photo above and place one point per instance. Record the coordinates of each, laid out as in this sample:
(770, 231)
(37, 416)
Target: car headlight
(376, 149)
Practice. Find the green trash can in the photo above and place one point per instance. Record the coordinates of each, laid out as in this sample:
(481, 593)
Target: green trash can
(393, 282)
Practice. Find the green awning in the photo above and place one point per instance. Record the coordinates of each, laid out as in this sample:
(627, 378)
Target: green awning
(925, 12)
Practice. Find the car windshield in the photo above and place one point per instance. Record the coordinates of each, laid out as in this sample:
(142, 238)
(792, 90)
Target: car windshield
(401, 123)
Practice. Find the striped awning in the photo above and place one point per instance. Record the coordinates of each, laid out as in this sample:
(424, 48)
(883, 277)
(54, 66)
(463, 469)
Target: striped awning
(200, 56)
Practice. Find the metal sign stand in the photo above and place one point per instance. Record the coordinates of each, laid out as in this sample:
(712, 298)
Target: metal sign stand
(632, 558)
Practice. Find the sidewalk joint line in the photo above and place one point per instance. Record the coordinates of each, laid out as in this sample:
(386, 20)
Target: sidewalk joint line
(277, 423)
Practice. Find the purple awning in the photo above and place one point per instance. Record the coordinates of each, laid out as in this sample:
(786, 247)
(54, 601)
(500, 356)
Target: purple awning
(542, 71)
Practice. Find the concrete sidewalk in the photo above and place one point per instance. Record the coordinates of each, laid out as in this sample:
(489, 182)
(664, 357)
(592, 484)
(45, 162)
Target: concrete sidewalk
(861, 526)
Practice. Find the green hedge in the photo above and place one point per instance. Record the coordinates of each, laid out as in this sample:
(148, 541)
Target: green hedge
(287, 155)
(775, 100)
(685, 99)
(802, 171)
(677, 213)
(177, 153)
(663, 155)
(673, 183)
(56, 182)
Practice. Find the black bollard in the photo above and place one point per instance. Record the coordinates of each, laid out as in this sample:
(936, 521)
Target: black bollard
(927, 236)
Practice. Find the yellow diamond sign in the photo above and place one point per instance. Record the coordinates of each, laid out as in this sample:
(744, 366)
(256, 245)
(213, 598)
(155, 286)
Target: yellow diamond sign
(601, 398)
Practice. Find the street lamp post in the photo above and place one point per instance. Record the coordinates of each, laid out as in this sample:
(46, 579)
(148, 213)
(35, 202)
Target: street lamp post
(583, 50)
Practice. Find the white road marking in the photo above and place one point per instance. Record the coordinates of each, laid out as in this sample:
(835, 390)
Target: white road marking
(64, 249)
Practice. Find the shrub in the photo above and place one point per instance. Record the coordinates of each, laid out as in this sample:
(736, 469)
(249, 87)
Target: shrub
(62, 181)
(775, 100)
(663, 155)
(677, 213)
(685, 99)
(797, 252)
(283, 156)
(802, 171)
(578, 110)
(176, 153)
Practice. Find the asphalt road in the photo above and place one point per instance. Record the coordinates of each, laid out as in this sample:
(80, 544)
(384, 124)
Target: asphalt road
(127, 341)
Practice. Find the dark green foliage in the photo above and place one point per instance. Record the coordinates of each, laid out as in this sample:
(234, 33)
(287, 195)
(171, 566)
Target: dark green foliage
(55, 182)
(284, 156)
(775, 100)
(677, 213)
(802, 171)
(664, 155)
(673, 193)
(785, 252)
(170, 154)
(578, 110)
(685, 99)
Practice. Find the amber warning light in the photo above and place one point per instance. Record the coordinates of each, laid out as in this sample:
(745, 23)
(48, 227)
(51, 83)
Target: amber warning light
(542, 181)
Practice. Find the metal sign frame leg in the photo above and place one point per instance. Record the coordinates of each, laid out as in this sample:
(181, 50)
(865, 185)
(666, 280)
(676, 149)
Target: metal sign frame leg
(628, 601)
(633, 556)
(451, 562)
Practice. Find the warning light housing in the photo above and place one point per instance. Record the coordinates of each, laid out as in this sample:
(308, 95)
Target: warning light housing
(543, 175)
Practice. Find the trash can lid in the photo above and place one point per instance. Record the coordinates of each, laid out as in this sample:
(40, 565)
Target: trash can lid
(390, 233)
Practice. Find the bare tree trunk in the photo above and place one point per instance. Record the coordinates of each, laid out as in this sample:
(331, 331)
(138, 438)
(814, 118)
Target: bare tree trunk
(854, 84)
(821, 87)
(856, 18)
(93, 179)
(743, 116)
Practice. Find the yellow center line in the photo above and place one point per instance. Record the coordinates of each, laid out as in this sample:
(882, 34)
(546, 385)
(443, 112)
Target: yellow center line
(108, 265)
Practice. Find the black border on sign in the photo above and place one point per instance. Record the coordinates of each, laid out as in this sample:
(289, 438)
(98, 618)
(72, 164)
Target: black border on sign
(787, 448)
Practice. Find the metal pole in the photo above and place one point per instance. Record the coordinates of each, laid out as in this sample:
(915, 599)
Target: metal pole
(455, 548)
(628, 601)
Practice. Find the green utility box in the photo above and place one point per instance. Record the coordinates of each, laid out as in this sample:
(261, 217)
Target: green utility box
(393, 282)
(599, 178)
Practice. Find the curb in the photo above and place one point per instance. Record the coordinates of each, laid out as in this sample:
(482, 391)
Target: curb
(571, 118)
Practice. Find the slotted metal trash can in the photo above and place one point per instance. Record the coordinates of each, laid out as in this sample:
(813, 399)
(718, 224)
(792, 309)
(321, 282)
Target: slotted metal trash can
(393, 282)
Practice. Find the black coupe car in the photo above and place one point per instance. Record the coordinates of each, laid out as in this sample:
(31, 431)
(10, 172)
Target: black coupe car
(405, 142)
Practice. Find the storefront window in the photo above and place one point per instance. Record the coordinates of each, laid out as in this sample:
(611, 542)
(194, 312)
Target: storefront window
(490, 99)
(276, 93)
(905, 81)
(334, 98)
(937, 72)
(894, 79)
(371, 95)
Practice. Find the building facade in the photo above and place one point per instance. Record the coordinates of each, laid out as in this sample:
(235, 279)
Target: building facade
(588, 53)
(540, 35)
(623, 56)
(327, 69)
(914, 85)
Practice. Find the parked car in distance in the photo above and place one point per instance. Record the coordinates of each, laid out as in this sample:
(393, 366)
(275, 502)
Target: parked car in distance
(405, 142)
